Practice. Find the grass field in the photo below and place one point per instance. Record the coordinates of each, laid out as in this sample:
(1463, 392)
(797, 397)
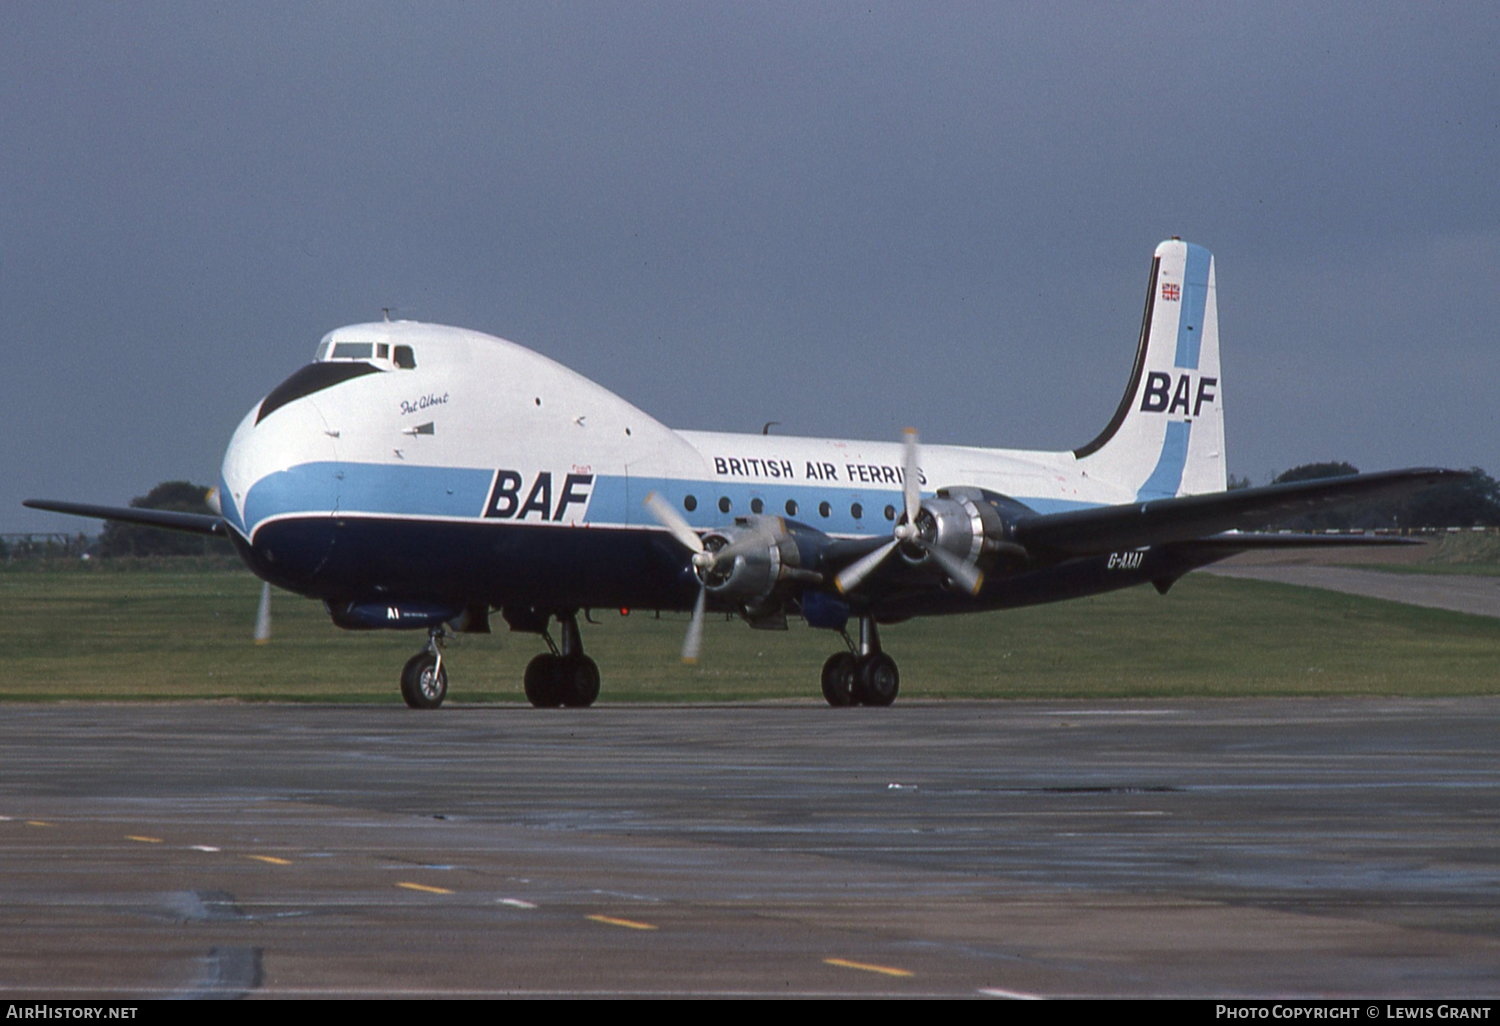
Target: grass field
(168, 634)
(1469, 553)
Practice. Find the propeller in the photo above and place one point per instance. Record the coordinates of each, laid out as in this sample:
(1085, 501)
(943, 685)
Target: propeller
(263, 615)
(705, 562)
(908, 531)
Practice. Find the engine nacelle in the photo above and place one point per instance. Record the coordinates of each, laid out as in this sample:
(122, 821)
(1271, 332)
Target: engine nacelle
(971, 523)
(763, 555)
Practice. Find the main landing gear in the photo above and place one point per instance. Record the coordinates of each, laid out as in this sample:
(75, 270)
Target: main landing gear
(864, 675)
(424, 681)
(563, 676)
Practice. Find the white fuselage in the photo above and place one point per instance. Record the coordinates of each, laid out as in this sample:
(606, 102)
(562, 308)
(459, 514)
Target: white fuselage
(484, 430)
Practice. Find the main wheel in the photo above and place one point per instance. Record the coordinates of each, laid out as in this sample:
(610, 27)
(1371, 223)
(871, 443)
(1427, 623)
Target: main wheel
(424, 684)
(579, 681)
(838, 679)
(543, 681)
(878, 680)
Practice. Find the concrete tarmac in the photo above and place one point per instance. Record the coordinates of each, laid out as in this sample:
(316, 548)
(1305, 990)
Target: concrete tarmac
(1479, 594)
(1287, 848)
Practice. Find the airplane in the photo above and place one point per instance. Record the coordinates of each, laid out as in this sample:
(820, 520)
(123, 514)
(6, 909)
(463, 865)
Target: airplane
(418, 476)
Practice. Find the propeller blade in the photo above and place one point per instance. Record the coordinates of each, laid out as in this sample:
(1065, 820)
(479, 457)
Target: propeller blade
(704, 560)
(263, 616)
(666, 515)
(911, 485)
(849, 578)
(693, 643)
(965, 575)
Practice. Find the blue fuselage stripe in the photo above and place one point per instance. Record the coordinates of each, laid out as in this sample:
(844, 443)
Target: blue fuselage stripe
(414, 492)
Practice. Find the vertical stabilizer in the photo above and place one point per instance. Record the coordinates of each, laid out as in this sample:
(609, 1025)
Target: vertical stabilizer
(1167, 437)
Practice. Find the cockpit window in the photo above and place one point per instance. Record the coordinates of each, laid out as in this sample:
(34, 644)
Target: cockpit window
(383, 355)
(314, 377)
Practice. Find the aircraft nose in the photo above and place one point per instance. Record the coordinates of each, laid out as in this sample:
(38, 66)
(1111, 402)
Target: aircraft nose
(237, 474)
(278, 466)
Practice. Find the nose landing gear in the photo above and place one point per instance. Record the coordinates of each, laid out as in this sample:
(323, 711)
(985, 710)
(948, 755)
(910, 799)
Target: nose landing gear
(424, 680)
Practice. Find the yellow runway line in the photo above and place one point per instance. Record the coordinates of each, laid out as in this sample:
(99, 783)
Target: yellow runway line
(629, 924)
(884, 970)
(424, 888)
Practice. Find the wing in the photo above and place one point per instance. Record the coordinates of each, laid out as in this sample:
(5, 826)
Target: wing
(196, 523)
(1201, 517)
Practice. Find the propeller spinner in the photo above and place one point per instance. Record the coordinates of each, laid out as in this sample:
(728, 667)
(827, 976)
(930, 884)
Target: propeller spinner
(707, 562)
(915, 529)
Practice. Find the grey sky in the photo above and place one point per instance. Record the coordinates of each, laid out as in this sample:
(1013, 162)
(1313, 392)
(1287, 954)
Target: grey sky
(844, 217)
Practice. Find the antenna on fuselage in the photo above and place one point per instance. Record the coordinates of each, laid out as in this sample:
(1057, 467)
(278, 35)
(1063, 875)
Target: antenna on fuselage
(385, 314)
(766, 429)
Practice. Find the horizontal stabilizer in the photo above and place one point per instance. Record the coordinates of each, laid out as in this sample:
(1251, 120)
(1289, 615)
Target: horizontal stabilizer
(1111, 528)
(195, 523)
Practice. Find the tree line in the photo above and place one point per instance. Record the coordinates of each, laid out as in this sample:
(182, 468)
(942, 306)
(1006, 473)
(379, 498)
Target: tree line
(119, 539)
(1472, 502)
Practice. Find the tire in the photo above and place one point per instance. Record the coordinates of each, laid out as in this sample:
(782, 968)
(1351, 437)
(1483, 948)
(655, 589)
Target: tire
(542, 682)
(879, 680)
(424, 684)
(579, 682)
(838, 679)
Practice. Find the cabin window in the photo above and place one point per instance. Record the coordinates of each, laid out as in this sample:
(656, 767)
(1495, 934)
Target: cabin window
(724, 504)
(857, 511)
(824, 509)
(690, 503)
(791, 507)
(890, 512)
(757, 506)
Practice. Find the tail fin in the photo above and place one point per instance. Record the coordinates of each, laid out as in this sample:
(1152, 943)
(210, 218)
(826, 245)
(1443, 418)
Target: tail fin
(1167, 437)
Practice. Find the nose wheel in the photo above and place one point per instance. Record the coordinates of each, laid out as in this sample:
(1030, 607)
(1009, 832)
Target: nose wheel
(424, 679)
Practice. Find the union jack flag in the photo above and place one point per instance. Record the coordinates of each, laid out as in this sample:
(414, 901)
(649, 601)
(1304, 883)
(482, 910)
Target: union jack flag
(1171, 292)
